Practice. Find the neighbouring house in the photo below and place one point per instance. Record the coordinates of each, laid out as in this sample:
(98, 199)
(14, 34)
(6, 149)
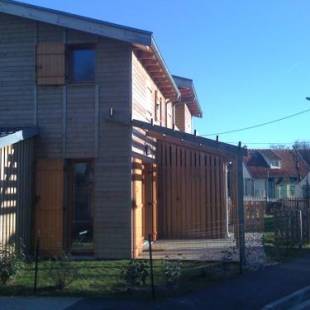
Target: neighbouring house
(272, 174)
(91, 108)
(303, 187)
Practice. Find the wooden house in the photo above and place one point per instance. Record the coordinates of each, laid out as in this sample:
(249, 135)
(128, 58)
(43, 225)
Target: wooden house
(114, 158)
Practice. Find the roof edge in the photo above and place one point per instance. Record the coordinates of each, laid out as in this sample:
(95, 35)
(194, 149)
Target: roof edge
(164, 65)
(192, 85)
(69, 20)
(17, 136)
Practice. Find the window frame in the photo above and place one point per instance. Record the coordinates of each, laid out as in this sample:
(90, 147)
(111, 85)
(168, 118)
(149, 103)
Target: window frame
(71, 205)
(69, 69)
(157, 109)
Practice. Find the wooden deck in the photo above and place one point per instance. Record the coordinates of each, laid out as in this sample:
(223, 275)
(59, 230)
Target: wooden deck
(213, 250)
(191, 249)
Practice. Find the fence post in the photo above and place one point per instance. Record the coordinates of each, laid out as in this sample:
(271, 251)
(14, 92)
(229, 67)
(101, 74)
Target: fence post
(36, 266)
(300, 229)
(241, 209)
(151, 266)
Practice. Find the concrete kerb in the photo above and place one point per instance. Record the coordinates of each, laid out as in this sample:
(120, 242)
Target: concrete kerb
(290, 301)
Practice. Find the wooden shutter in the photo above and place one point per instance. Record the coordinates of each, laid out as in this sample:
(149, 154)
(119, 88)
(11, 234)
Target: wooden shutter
(51, 63)
(49, 207)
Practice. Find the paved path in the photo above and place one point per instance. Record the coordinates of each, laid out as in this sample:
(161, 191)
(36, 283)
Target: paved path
(250, 291)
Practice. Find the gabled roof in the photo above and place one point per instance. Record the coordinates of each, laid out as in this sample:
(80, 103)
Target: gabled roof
(188, 94)
(269, 154)
(291, 165)
(305, 154)
(142, 40)
(9, 136)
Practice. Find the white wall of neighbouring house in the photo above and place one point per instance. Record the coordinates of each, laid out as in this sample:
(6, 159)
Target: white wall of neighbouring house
(260, 188)
(300, 191)
(248, 182)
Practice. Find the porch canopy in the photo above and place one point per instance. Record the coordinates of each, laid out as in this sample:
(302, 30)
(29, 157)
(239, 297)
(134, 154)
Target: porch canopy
(190, 140)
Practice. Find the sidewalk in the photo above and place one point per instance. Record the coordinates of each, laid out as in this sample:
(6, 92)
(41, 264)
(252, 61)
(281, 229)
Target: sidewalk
(250, 291)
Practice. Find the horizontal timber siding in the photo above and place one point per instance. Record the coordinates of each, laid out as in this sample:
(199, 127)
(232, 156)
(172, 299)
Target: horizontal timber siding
(17, 71)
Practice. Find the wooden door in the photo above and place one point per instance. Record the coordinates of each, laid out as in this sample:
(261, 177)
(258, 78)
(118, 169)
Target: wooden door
(49, 207)
(137, 206)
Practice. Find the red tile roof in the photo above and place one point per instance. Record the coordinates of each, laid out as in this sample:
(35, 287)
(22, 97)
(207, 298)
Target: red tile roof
(292, 164)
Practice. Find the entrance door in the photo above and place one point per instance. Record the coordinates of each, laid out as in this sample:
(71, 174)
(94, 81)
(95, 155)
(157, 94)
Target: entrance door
(79, 217)
(49, 207)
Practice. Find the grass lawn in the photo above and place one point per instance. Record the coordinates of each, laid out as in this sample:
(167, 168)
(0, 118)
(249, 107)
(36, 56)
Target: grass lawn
(103, 278)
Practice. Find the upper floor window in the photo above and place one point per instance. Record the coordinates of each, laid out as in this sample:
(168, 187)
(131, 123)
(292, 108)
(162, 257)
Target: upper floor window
(275, 164)
(82, 64)
(157, 107)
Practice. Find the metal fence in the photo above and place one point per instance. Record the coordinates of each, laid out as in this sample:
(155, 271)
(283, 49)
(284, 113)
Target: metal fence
(272, 231)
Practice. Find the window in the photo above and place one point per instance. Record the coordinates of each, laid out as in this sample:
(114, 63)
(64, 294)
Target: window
(81, 208)
(306, 191)
(292, 190)
(275, 164)
(82, 64)
(248, 187)
(157, 107)
(161, 107)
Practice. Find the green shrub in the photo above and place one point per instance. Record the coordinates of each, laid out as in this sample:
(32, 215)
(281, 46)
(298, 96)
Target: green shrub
(172, 271)
(135, 273)
(62, 272)
(10, 263)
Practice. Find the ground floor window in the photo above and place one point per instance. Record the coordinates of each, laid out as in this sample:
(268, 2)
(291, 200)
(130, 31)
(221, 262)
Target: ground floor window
(81, 205)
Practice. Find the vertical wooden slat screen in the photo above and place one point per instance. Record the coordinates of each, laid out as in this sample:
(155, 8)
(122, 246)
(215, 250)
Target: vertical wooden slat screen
(51, 63)
(49, 207)
(192, 193)
(16, 194)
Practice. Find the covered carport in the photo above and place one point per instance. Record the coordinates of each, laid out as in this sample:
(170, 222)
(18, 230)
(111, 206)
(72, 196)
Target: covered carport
(198, 192)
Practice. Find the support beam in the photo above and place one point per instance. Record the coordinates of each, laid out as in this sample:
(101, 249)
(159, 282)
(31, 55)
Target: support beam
(241, 226)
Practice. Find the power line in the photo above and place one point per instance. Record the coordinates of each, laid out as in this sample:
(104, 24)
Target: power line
(257, 125)
(271, 143)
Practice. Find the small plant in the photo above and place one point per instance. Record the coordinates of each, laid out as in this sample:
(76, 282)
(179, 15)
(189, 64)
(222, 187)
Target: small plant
(136, 273)
(10, 263)
(173, 272)
(62, 272)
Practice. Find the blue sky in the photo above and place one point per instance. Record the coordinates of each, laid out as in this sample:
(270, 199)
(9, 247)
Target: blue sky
(250, 60)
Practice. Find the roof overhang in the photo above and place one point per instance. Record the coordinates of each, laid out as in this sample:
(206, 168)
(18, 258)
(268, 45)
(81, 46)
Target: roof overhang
(11, 136)
(188, 95)
(76, 22)
(164, 133)
(151, 59)
(143, 41)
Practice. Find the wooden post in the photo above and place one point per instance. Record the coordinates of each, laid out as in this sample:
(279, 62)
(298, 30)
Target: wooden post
(151, 266)
(36, 266)
(300, 230)
(241, 229)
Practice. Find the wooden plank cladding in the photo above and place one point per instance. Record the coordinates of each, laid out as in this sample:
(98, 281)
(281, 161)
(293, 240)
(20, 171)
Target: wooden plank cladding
(192, 193)
(51, 63)
(16, 194)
